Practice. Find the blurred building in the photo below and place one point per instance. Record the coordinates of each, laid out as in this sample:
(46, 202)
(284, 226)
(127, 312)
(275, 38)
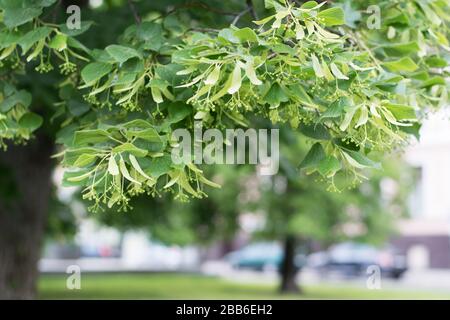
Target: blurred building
(98, 248)
(425, 237)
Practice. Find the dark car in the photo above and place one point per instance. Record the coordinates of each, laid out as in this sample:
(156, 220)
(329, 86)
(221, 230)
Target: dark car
(260, 256)
(354, 259)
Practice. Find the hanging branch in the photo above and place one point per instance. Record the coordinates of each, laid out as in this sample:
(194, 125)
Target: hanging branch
(136, 15)
(250, 9)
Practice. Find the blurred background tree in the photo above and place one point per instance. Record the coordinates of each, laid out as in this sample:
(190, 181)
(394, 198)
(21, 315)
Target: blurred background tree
(300, 211)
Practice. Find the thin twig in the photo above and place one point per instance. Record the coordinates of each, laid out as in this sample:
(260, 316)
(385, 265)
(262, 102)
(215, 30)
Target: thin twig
(252, 9)
(194, 5)
(239, 16)
(211, 30)
(136, 15)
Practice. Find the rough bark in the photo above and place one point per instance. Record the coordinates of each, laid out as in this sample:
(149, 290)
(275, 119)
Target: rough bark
(25, 186)
(288, 269)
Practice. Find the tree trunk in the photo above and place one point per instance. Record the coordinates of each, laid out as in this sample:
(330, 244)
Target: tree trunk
(25, 186)
(288, 269)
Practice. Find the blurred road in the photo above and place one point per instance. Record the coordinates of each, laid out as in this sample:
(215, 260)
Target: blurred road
(429, 280)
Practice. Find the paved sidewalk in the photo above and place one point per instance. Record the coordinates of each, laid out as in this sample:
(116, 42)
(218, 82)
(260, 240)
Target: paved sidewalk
(415, 280)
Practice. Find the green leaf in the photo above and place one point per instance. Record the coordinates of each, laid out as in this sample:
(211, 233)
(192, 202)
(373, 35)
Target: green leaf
(283, 48)
(74, 43)
(436, 62)
(433, 81)
(309, 5)
(137, 124)
(331, 16)
(94, 71)
(395, 17)
(402, 112)
(276, 95)
(269, 4)
(28, 40)
(149, 134)
(84, 160)
(14, 17)
(298, 93)
(158, 166)
(329, 166)
(84, 26)
(345, 144)
(59, 42)
(315, 155)
(337, 108)
(8, 38)
(71, 155)
(77, 108)
(151, 34)
(75, 179)
(401, 49)
(121, 53)
(246, 34)
(90, 136)
(228, 35)
(158, 83)
(315, 131)
(30, 121)
(358, 160)
(412, 130)
(20, 97)
(130, 148)
(405, 64)
(178, 111)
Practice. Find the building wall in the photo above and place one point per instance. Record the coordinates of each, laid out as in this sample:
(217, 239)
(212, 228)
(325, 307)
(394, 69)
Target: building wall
(432, 156)
(427, 232)
(437, 250)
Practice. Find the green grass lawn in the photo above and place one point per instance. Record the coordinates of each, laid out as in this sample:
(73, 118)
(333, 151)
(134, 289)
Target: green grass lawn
(184, 286)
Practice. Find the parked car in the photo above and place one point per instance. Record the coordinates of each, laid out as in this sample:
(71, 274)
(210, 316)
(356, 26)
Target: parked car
(260, 256)
(353, 259)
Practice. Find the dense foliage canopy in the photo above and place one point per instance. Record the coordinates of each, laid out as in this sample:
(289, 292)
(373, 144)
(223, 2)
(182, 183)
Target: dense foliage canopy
(351, 84)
